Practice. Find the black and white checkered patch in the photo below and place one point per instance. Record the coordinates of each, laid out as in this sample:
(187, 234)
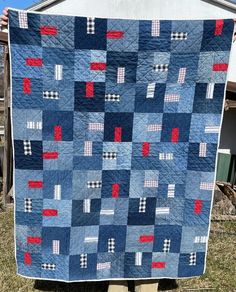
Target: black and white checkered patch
(193, 259)
(47, 266)
(94, 184)
(109, 155)
(83, 260)
(27, 147)
(179, 36)
(166, 245)
(161, 67)
(112, 97)
(51, 94)
(111, 244)
(142, 205)
(28, 205)
(90, 25)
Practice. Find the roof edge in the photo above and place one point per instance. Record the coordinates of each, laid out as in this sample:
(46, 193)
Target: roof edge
(225, 3)
(40, 5)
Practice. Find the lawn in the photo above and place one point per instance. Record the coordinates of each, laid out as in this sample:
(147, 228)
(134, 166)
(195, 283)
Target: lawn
(219, 276)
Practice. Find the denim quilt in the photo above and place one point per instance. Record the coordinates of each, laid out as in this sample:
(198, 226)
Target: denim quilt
(115, 129)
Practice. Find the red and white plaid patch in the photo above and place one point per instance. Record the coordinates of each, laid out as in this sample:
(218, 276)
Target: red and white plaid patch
(103, 266)
(206, 186)
(120, 74)
(172, 98)
(202, 149)
(150, 183)
(56, 246)
(154, 128)
(88, 148)
(96, 127)
(23, 19)
(155, 28)
(182, 74)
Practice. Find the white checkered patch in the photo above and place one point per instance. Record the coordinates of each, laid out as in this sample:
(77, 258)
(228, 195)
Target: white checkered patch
(47, 266)
(83, 261)
(109, 155)
(179, 36)
(166, 245)
(161, 67)
(111, 245)
(27, 147)
(142, 205)
(28, 205)
(90, 25)
(193, 259)
(112, 97)
(94, 184)
(50, 94)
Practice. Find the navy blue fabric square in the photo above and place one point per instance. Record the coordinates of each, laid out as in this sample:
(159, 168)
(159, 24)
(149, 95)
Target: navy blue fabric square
(147, 42)
(180, 122)
(60, 122)
(94, 101)
(56, 233)
(118, 127)
(185, 270)
(149, 105)
(119, 178)
(81, 218)
(132, 270)
(202, 104)
(135, 217)
(125, 60)
(169, 232)
(117, 232)
(196, 162)
(216, 42)
(96, 41)
(28, 161)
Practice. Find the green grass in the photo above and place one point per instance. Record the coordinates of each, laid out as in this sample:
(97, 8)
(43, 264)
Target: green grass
(219, 276)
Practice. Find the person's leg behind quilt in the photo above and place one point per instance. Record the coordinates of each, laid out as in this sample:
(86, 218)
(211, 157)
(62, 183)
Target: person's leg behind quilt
(140, 286)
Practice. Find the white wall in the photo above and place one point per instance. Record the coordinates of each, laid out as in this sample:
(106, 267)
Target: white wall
(148, 9)
(142, 9)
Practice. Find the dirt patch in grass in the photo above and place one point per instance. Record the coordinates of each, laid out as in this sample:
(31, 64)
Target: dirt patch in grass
(219, 276)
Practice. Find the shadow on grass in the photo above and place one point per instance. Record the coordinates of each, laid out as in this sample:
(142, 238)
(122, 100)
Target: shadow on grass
(100, 286)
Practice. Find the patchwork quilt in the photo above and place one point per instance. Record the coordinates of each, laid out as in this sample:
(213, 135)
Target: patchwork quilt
(115, 129)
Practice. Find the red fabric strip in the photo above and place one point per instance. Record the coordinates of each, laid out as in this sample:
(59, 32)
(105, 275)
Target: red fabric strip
(115, 34)
(50, 212)
(50, 155)
(115, 190)
(35, 184)
(175, 135)
(34, 62)
(57, 133)
(146, 238)
(220, 67)
(198, 206)
(34, 240)
(158, 265)
(27, 258)
(26, 85)
(97, 66)
(219, 27)
(146, 149)
(89, 89)
(48, 30)
(118, 134)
